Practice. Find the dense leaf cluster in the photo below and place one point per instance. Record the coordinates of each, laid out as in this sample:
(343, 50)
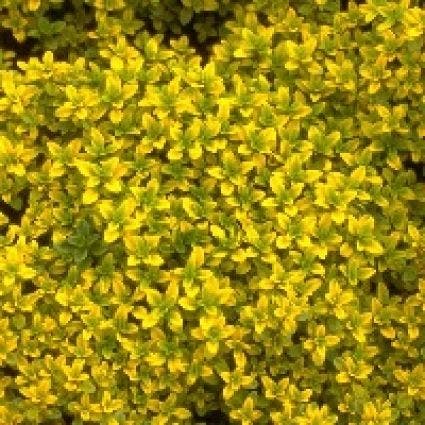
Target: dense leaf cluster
(234, 226)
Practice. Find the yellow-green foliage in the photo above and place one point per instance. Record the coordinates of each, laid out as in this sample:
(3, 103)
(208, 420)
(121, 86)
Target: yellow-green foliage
(243, 236)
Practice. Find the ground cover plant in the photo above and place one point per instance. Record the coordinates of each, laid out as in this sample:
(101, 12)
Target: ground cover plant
(212, 212)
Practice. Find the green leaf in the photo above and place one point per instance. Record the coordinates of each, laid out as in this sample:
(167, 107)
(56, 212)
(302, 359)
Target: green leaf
(186, 15)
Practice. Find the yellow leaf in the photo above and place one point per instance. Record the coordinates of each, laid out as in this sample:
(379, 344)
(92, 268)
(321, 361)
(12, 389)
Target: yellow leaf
(388, 332)
(115, 116)
(269, 203)
(320, 251)
(174, 154)
(90, 196)
(332, 340)
(282, 220)
(342, 378)
(57, 170)
(154, 260)
(277, 182)
(394, 162)
(150, 320)
(62, 297)
(348, 158)
(401, 375)
(228, 391)
(3, 219)
(132, 261)
(187, 303)
(128, 206)
(310, 44)
(240, 53)
(312, 175)
(82, 113)
(172, 291)
(197, 256)
(176, 321)
(152, 240)
(338, 216)
(48, 58)
(84, 167)
(106, 208)
(224, 106)
(113, 186)
(182, 413)
(359, 174)
(17, 169)
(129, 90)
(374, 87)
(27, 272)
(291, 48)
(64, 318)
(155, 360)
(283, 242)
(163, 204)
(291, 65)
(188, 207)
(413, 232)
(195, 152)
(365, 273)
(177, 365)
(252, 234)
(33, 5)
(217, 231)
(412, 331)
(215, 172)
(318, 356)
(383, 111)
(212, 347)
(269, 135)
(117, 63)
(111, 233)
(374, 247)
(64, 111)
(226, 188)
(151, 47)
